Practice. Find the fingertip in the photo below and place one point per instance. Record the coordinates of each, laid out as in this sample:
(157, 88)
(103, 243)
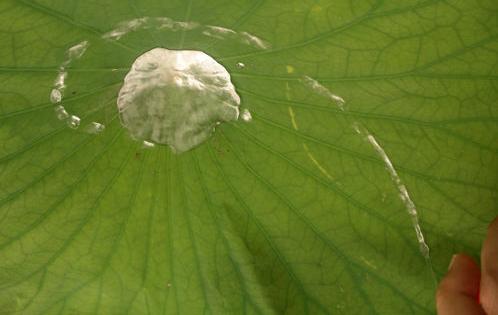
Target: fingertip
(489, 278)
(493, 226)
(489, 252)
(489, 295)
(458, 291)
(464, 270)
(463, 277)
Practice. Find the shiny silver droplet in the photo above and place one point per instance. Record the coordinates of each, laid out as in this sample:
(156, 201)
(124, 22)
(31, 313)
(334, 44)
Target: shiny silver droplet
(175, 97)
(61, 112)
(148, 145)
(246, 115)
(95, 128)
(55, 96)
(73, 122)
(61, 78)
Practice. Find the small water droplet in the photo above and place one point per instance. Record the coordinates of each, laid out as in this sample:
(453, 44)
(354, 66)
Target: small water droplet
(61, 112)
(148, 145)
(77, 51)
(73, 122)
(95, 128)
(61, 78)
(56, 96)
(240, 65)
(246, 115)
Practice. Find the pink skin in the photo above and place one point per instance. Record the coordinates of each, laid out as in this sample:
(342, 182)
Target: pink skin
(467, 289)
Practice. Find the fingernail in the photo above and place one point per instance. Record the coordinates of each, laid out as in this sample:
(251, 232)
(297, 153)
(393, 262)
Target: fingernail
(451, 262)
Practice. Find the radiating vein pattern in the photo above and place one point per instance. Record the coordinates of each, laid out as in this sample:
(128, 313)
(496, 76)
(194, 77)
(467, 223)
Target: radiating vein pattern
(290, 211)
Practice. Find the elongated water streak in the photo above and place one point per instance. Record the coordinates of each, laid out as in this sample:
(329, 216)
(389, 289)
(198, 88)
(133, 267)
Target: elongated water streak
(323, 91)
(168, 24)
(403, 192)
(401, 187)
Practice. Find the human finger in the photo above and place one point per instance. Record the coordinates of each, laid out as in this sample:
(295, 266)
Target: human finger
(489, 277)
(458, 292)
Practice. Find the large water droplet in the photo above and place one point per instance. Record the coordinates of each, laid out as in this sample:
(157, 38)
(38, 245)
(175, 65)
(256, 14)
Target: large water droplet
(176, 98)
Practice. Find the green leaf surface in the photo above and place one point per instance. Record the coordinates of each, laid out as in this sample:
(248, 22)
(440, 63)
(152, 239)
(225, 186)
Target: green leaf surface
(292, 213)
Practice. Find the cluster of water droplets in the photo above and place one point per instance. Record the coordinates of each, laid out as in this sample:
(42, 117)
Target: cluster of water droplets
(166, 23)
(57, 93)
(76, 52)
(155, 116)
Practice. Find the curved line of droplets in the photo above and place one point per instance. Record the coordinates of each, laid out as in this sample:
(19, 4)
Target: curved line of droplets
(164, 23)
